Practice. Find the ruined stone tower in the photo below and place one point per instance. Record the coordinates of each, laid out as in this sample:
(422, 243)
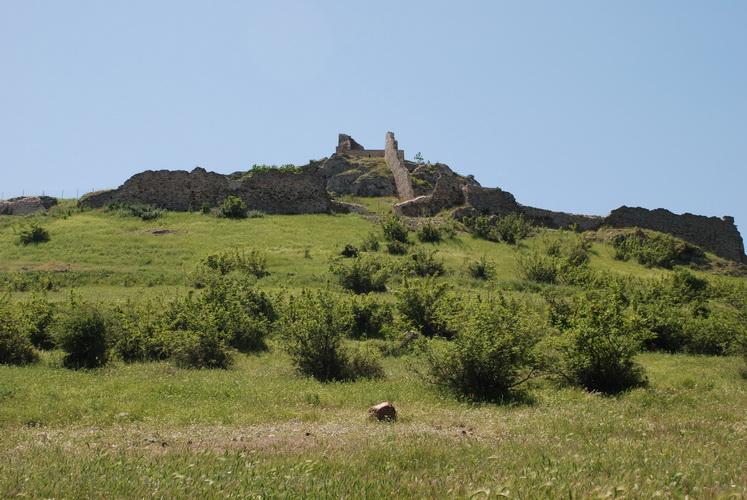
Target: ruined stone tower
(396, 164)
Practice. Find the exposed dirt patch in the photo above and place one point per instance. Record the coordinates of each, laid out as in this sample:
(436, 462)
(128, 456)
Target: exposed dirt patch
(285, 437)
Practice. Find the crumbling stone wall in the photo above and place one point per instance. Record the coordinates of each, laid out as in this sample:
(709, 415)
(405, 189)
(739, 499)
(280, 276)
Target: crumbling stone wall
(272, 191)
(25, 205)
(397, 166)
(447, 193)
(719, 236)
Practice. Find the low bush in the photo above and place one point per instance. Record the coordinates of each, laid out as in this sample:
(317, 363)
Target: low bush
(232, 207)
(39, 314)
(423, 263)
(493, 352)
(538, 267)
(513, 228)
(145, 212)
(481, 269)
(255, 214)
(370, 317)
(349, 251)
(394, 229)
(560, 259)
(370, 243)
(396, 248)
(15, 342)
(32, 233)
(201, 349)
(83, 334)
(510, 228)
(599, 338)
(429, 233)
(313, 328)
(427, 307)
(654, 249)
(140, 332)
(253, 262)
(362, 362)
(361, 275)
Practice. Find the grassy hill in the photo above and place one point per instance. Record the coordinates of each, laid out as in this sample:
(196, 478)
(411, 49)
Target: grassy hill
(260, 428)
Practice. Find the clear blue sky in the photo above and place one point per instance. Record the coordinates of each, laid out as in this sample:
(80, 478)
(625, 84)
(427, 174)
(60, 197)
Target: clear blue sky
(577, 106)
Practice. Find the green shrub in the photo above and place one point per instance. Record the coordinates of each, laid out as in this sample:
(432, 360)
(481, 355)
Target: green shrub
(370, 243)
(512, 228)
(232, 207)
(201, 349)
(509, 228)
(205, 208)
(83, 334)
(349, 251)
(538, 267)
(394, 229)
(255, 214)
(427, 307)
(145, 212)
(654, 249)
(241, 315)
(599, 339)
(481, 269)
(370, 317)
(361, 275)
(312, 328)
(396, 248)
(362, 362)
(429, 233)
(424, 263)
(15, 342)
(140, 332)
(252, 263)
(719, 333)
(39, 314)
(493, 352)
(32, 233)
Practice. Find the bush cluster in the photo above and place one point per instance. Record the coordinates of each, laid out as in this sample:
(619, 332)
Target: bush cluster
(313, 328)
(394, 229)
(362, 274)
(429, 233)
(427, 306)
(654, 249)
(15, 337)
(510, 228)
(481, 269)
(251, 263)
(232, 207)
(493, 352)
(424, 263)
(599, 337)
(31, 233)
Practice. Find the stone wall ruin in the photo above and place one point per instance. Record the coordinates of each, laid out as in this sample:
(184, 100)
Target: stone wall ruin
(273, 191)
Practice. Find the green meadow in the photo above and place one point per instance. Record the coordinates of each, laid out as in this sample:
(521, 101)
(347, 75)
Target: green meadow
(261, 429)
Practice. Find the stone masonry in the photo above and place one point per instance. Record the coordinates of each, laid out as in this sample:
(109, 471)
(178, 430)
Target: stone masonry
(271, 191)
(397, 166)
(26, 205)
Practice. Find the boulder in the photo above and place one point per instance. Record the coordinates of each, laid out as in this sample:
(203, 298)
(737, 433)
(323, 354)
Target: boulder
(383, 411)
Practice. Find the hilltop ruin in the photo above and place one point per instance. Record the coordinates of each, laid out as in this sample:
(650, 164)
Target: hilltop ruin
(423, 190)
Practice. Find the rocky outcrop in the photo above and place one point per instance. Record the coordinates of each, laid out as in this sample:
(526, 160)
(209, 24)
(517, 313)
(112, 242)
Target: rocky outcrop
(447, 193)
(26, 205)
(277, 191)
(397, 165)
(357, 176)
(719, 236)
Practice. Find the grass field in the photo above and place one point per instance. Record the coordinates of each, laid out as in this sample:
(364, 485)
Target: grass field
(261, 430)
